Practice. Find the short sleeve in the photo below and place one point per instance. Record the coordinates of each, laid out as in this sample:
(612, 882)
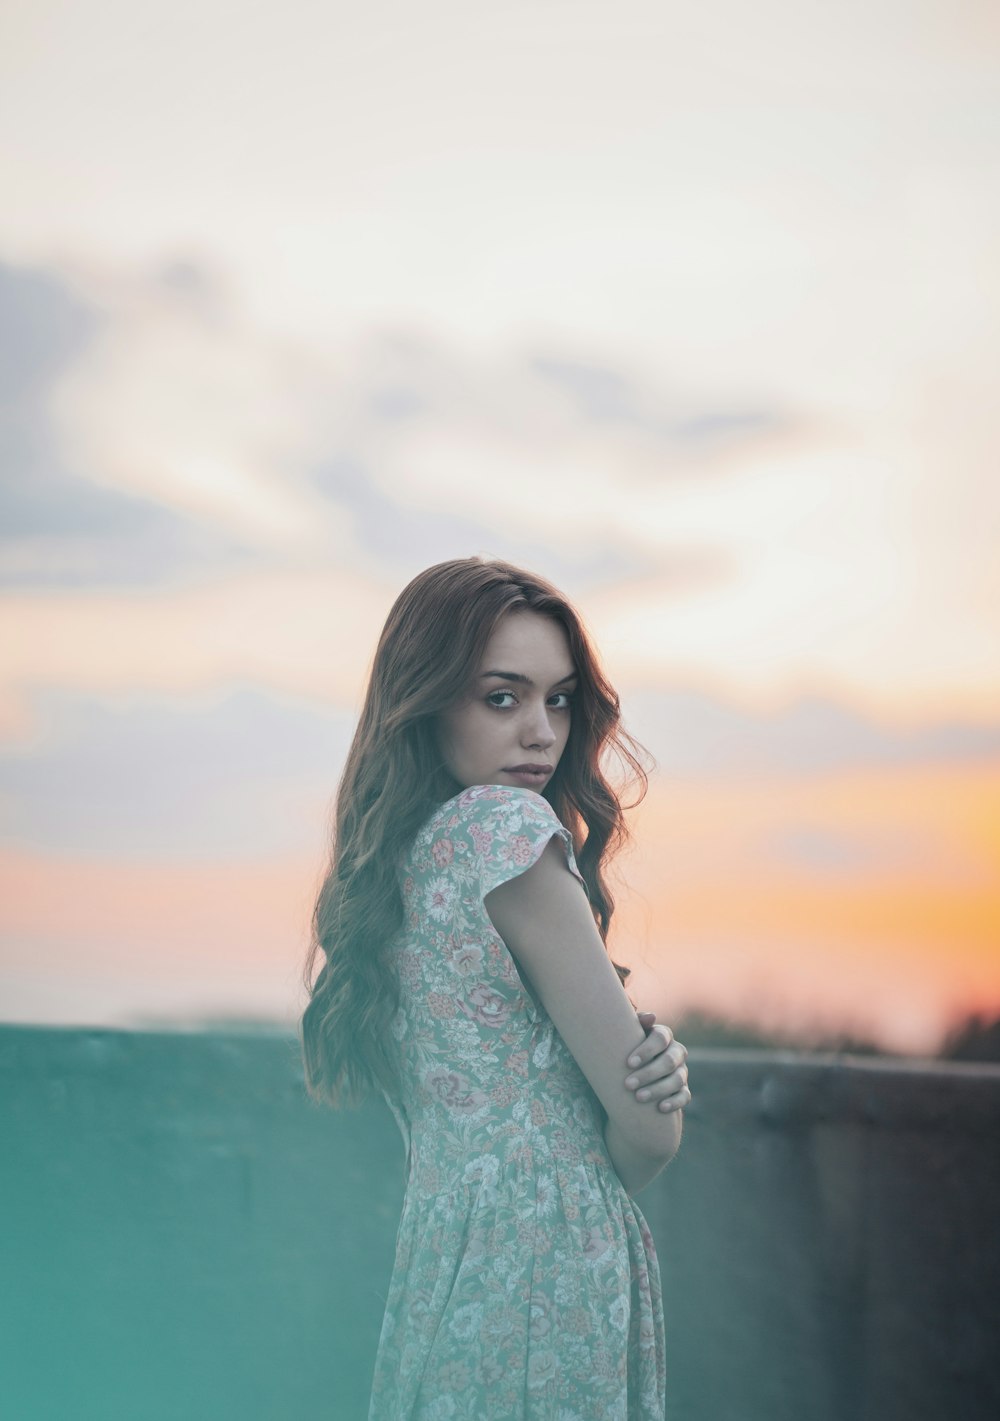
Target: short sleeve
(504, 829)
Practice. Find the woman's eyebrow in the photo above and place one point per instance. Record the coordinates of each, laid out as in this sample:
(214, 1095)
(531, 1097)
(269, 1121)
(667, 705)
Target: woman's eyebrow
(518, 676)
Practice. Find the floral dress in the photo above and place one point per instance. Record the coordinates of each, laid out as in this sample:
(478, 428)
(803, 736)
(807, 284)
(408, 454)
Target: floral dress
(526, 1282)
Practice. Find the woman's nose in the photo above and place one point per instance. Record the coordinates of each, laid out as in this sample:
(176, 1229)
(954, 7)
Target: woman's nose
(539, 730)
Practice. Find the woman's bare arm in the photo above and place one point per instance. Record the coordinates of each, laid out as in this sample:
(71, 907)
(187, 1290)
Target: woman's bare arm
(544, 918)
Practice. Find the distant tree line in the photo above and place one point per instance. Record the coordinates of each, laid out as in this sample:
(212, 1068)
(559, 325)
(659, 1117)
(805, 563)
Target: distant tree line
(975, 1038)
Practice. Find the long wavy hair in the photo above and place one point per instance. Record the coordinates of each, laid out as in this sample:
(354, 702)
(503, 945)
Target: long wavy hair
(428, 654)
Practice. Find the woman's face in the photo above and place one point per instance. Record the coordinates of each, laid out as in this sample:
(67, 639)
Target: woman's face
(517, 711)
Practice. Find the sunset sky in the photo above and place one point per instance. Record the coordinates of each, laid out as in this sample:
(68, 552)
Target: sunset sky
(696, 312)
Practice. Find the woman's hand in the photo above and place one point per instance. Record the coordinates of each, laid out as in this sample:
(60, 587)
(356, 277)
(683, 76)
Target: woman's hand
(659, 1073)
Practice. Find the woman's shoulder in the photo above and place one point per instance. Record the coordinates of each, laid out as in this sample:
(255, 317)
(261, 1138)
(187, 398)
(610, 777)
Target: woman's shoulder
(482, 813)
(490, 803)
(481, 837)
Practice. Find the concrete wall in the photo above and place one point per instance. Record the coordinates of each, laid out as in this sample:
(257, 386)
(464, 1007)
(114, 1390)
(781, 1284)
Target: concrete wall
(187, 1238)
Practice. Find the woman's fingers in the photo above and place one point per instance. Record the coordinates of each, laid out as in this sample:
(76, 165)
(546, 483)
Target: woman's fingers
(671, 1077)
(660, 1071)
(668, 1092)
(660, 1038)
(662, 1086)
(657, 1038)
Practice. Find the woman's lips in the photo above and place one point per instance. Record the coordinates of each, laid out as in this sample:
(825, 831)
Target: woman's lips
(529, 777)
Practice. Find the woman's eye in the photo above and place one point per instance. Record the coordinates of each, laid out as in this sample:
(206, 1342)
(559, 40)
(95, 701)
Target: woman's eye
(567, 696)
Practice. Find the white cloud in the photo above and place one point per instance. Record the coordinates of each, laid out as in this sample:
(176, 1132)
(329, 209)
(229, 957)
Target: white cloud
(189, 408)
(797, 553)
(309, 634)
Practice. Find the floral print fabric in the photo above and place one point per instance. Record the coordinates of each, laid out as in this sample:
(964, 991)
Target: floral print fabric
(526, 1282)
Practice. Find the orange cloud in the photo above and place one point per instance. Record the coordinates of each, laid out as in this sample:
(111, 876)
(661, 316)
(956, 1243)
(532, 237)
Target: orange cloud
(155, 937)
(710, 912)
(717, 917)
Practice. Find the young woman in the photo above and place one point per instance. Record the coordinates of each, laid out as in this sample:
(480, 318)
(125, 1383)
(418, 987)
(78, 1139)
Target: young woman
(466, 904)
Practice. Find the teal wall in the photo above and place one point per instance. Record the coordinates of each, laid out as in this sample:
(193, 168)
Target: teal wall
(187, 1238)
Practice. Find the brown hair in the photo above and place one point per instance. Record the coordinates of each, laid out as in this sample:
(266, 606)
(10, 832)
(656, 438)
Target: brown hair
(430, 650)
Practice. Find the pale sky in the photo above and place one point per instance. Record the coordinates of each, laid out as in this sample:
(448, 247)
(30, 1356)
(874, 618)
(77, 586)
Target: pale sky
(697, 313)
